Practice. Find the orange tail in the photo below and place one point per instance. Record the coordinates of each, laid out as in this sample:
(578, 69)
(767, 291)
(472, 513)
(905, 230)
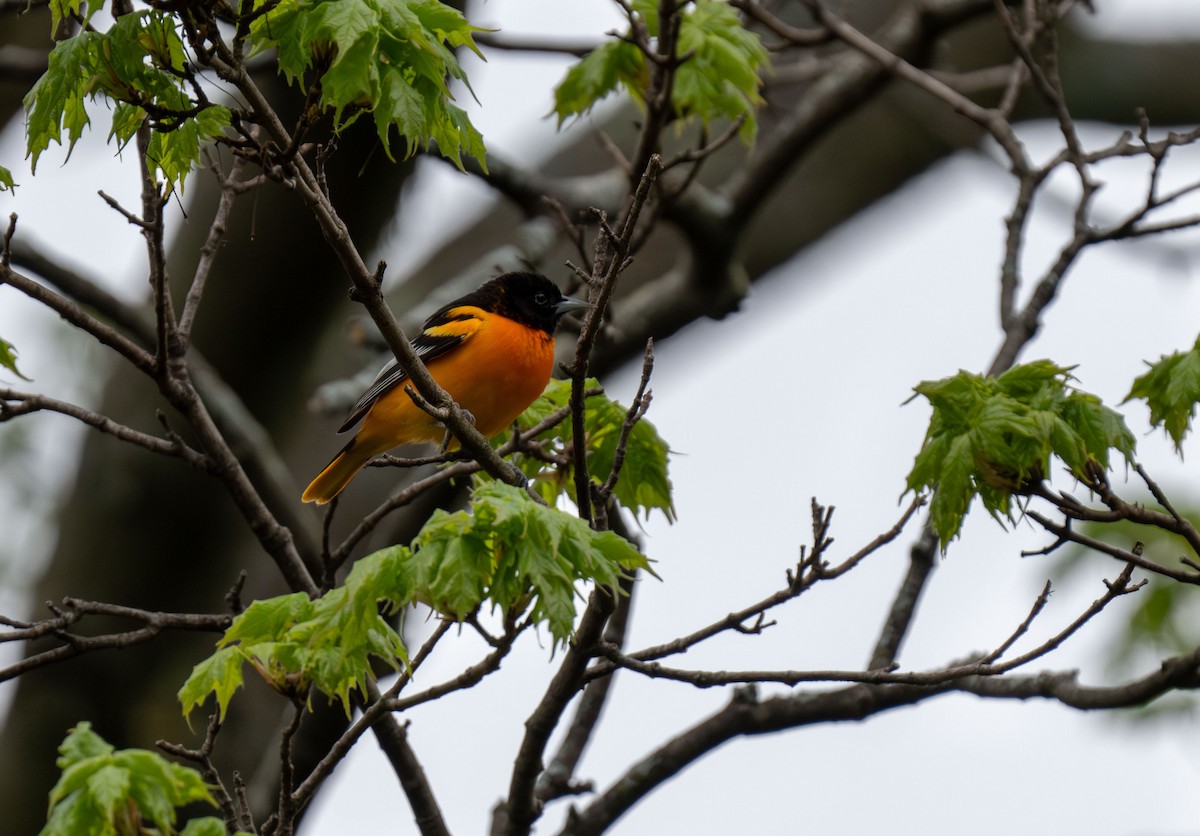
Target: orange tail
(338, 473)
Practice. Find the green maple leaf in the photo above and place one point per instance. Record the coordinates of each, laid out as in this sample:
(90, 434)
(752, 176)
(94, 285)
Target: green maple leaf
(993, 438)
(136, 67)
(644, 482)
(389, 58)
(612, 65)
(106, 790)
(1171, 388)
(507, 549)
(515, 552)
(719, 76)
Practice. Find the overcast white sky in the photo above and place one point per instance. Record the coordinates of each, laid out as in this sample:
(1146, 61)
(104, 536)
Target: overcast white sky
(834, 391)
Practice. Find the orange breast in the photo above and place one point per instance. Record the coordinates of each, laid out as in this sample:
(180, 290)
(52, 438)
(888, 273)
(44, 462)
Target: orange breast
(496, 373)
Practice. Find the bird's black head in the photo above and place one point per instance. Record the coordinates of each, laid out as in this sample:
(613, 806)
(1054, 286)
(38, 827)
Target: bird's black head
(528, 298)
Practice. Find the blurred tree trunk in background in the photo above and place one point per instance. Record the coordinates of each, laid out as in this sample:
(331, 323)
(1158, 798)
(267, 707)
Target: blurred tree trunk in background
(135, 531)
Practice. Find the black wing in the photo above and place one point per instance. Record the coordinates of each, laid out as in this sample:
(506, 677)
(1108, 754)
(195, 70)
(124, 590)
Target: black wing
(443, 331)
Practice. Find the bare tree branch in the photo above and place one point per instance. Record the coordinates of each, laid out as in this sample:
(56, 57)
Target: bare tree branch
(922, 558)
(811, 569)
(75, 315)
(251, 442)
(14, 403)
(746, 714)
(234, 819)
(983, 665)
(230, 188)
(557, 779)
(519, 43)
(75, 609)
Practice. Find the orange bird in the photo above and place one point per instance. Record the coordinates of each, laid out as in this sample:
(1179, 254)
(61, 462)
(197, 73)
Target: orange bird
(492, 351)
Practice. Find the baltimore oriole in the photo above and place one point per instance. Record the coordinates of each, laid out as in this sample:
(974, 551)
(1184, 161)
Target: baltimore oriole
(492, 351)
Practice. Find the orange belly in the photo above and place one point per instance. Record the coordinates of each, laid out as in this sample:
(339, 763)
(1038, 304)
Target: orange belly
(509, 366)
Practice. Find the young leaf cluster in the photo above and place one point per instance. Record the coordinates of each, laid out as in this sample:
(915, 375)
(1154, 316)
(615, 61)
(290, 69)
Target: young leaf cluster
(295, 642)
(993, 438)
(616, 63)
(138, 64)
(718, 77)
(6, 180)
(106, 791)
(391, 58)
(520, 555)
(1171, 389)
(643, 483)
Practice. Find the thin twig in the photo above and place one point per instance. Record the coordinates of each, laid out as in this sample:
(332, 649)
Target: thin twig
(809, 572)
(208, 252)
(371, 713)
(557, 780)
(981, 666)
(75, 609)
(14, 403)
(166, 345)
(1065, 533)
(137, 356)
(637, 410)
(203, 757)
(921, 560)
(612, 249)
(1038, 605)
(283, 821)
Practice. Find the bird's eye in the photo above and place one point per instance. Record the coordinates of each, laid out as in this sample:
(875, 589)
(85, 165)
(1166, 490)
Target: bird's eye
(540, 299)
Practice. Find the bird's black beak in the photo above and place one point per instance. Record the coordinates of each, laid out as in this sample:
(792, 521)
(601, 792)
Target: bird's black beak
(568, 304)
